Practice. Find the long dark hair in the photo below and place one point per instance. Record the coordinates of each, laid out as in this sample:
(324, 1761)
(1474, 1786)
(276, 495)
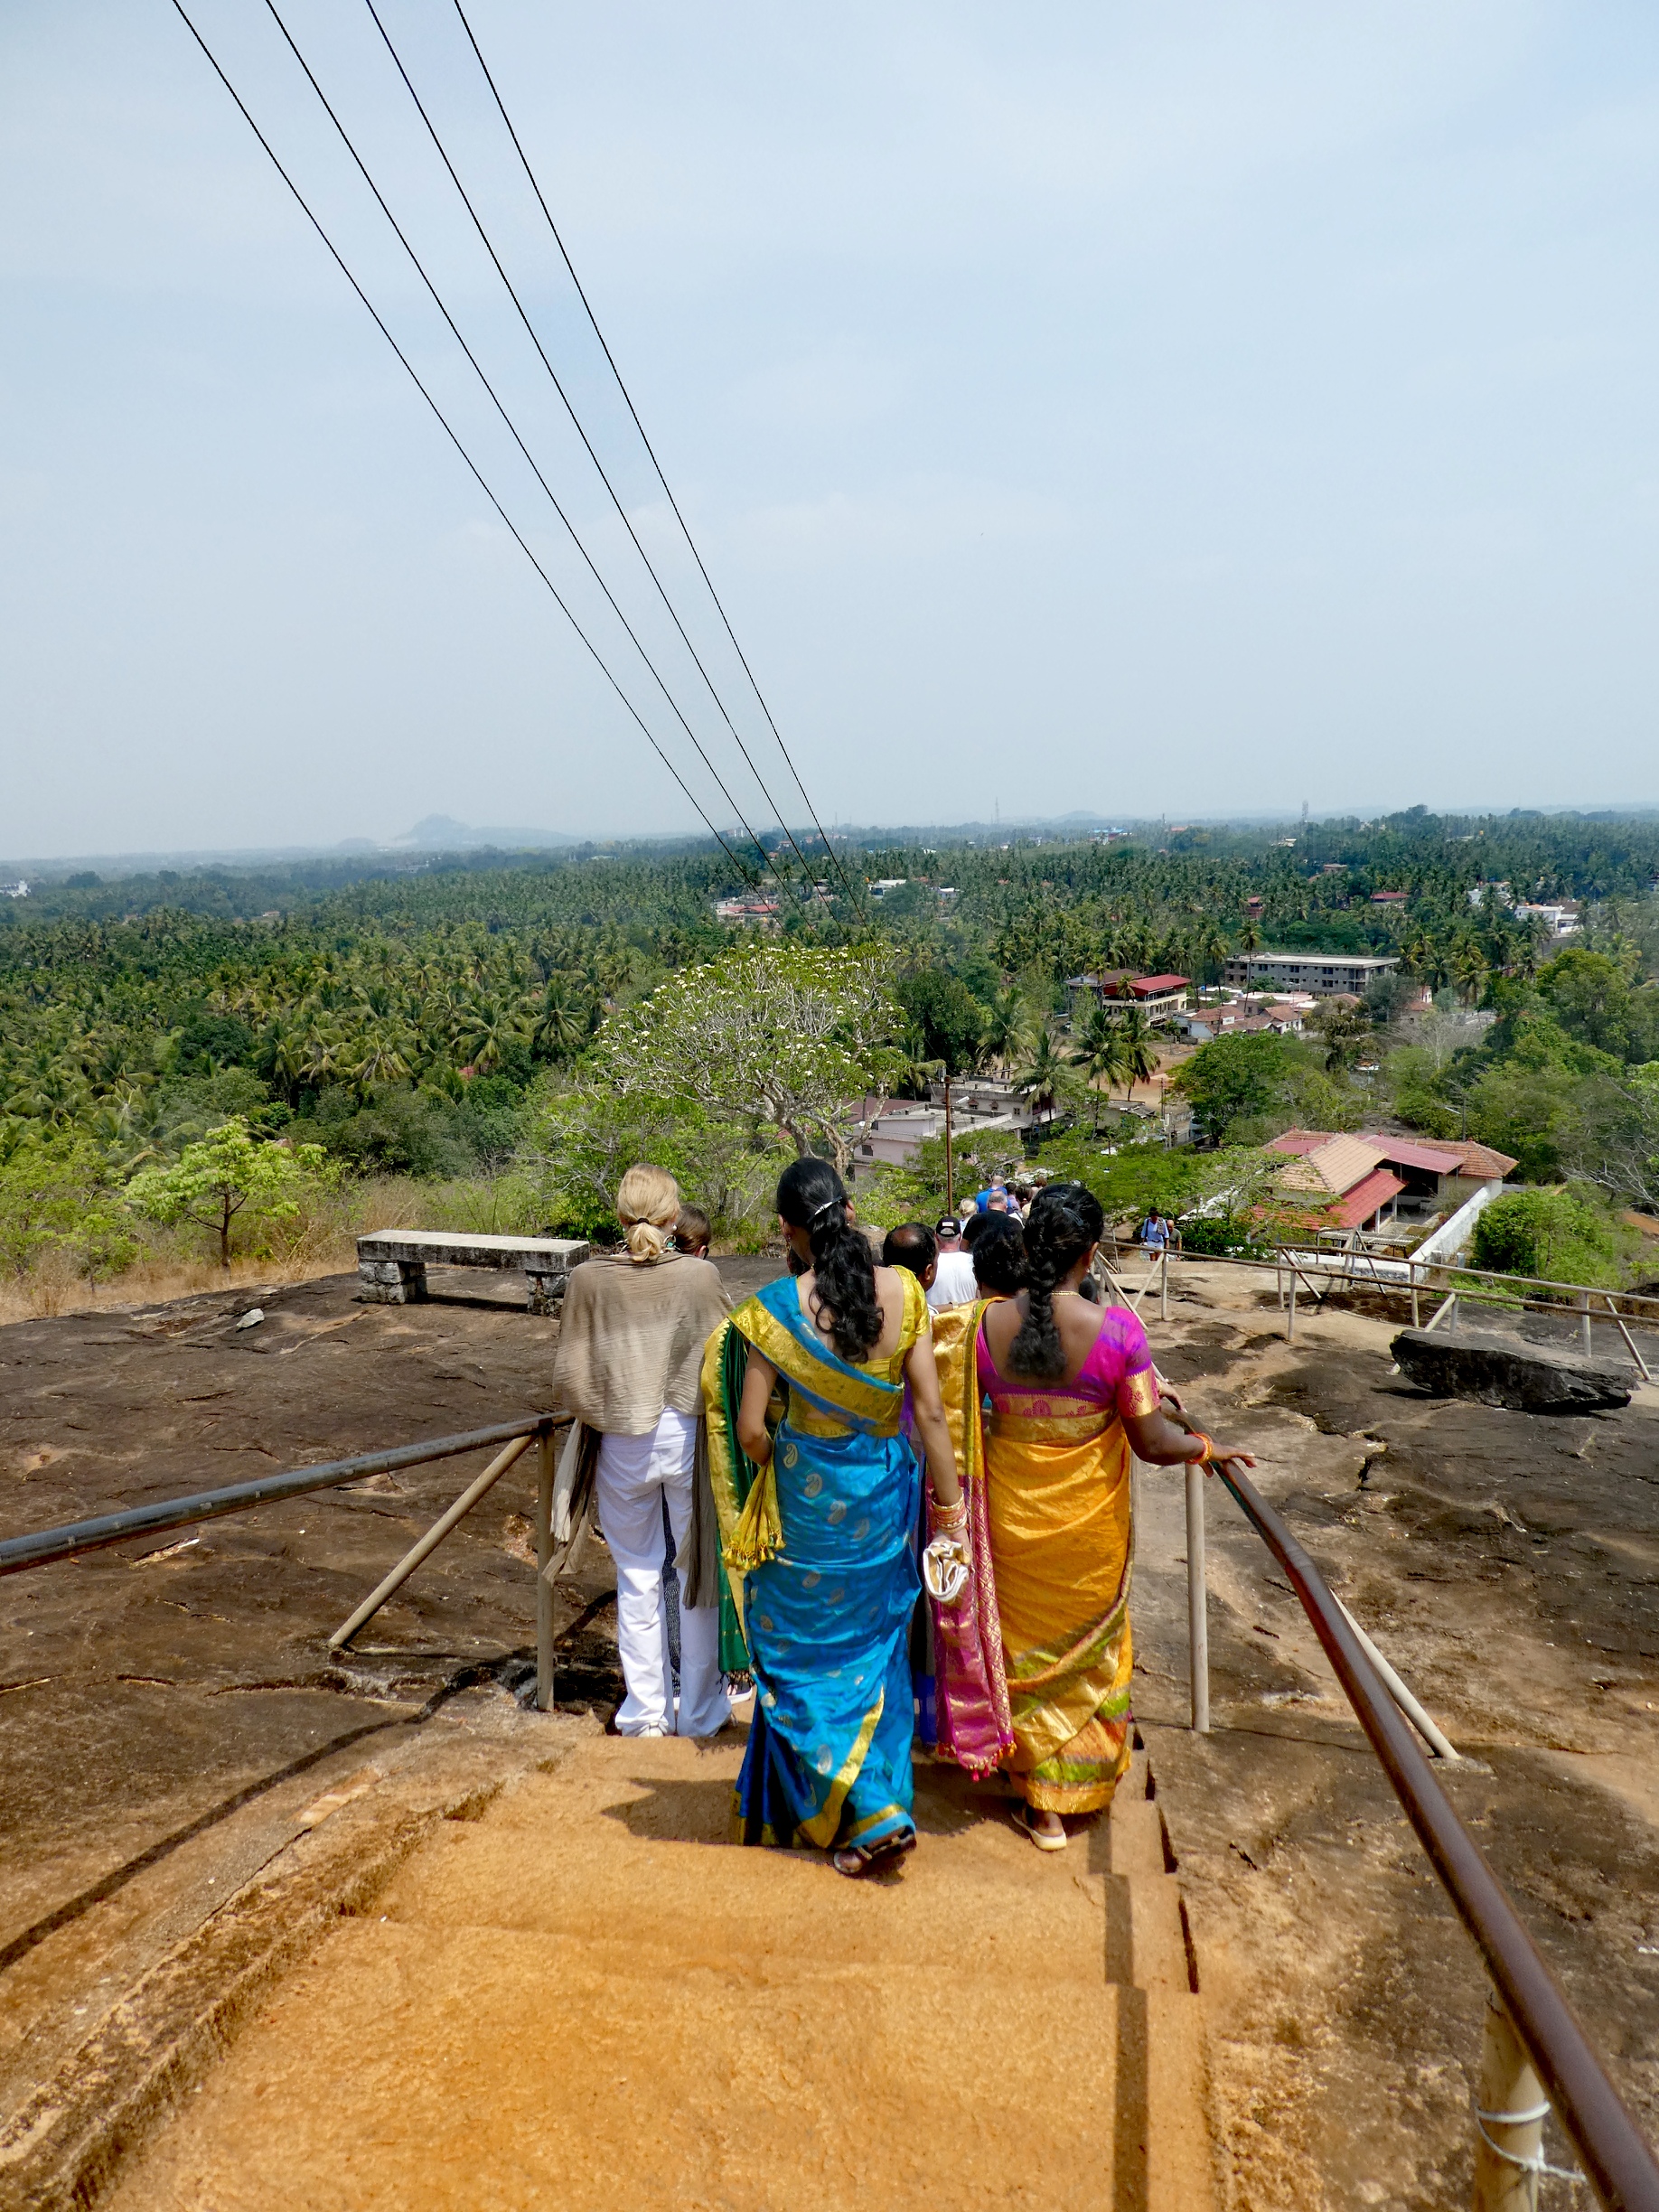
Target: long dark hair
(811, 1196)
(999, 1254)
(1066, 1219)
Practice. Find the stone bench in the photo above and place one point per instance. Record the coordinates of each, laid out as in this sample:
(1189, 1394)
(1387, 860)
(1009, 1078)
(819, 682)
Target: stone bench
(392, 1263)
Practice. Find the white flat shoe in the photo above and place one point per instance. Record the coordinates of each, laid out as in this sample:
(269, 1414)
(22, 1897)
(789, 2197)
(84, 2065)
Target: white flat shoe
(1040, 1837)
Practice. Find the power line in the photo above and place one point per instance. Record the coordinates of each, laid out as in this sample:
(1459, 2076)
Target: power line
(449, 433)
(766, 860)
(581, 432)
(650, 450)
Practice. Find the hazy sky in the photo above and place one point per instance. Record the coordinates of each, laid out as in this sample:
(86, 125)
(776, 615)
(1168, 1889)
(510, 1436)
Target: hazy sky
(1181, 408)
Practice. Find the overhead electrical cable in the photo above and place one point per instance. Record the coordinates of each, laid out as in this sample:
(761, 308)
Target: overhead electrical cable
(437, 301)
(450, 433)
(628, 401)
(582, 433)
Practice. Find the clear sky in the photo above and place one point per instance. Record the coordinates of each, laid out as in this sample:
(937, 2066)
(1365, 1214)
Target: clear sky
(1188, 408)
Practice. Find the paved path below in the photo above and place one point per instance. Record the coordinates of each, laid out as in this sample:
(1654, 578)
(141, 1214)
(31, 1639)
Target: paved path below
(587, 1999)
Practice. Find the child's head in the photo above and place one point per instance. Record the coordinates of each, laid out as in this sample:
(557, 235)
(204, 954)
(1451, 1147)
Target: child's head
(691, 1231)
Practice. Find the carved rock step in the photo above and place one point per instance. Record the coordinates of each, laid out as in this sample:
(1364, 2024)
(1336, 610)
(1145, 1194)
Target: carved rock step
(586, 1998)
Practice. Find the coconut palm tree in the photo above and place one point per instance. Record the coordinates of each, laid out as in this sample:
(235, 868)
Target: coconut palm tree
(917, 1072)
(1099, 1052)
(379, 1057)
(1007, 1028)
(562, 1020)
(1040, 1080)
(1139, 1046)
(488, 1029)
(1469, 970)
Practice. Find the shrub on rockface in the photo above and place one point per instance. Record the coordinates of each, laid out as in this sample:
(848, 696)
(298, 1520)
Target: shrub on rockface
(1554, 1235)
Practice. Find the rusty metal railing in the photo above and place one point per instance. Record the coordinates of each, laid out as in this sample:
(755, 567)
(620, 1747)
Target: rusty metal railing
(44, 1547)
(1536, 2055)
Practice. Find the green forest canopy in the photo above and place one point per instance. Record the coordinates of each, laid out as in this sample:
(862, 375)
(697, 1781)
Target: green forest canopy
(408, 1017)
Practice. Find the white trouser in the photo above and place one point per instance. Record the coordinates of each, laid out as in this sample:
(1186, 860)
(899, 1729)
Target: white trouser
(634, 1475)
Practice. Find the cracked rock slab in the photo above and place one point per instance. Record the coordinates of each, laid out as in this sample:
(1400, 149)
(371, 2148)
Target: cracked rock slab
(1498, 1372)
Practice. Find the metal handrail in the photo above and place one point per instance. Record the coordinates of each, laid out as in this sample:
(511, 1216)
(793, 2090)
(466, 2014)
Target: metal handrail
(18, 1553)
(1419, 1272)
(1618, 2161)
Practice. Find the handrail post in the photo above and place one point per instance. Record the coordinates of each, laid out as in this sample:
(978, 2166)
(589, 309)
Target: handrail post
(1164, 1294)
(429, 1543)
(1198, 1610)
(1415, 1321)
(1510, 2108)
(1290, 1312)
(1585, 1342)
(1630, 1342)
(544, 1589)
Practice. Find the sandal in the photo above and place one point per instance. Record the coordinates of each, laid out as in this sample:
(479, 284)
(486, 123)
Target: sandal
(855, 1860)
(1040, 1836)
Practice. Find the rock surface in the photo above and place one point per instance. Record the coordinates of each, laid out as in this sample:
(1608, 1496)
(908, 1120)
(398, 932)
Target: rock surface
(1496, 1370)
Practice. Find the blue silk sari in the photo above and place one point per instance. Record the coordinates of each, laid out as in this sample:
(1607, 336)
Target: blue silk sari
(827, 1619)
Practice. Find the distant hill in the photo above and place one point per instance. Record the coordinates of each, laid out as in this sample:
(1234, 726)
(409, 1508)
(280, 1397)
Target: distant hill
(443, 833)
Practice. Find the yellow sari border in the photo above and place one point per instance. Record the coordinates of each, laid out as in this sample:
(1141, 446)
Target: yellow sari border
(1138, 1393)
(806, 1420)
(873, 1402)
(821, 1829)
(1049, 1428)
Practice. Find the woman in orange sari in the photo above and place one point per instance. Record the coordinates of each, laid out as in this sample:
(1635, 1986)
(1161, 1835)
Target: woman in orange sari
(1056, 1392)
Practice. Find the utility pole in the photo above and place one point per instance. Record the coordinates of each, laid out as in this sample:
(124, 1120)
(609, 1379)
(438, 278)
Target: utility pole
(949, 1151)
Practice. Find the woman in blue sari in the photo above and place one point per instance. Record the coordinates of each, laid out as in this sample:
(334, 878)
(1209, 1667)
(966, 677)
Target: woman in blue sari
(816, 1490)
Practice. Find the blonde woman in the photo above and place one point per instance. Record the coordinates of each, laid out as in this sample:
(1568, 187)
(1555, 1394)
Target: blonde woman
(629, 1367)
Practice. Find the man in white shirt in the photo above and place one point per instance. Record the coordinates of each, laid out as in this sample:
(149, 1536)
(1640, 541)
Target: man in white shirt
(953, 1283)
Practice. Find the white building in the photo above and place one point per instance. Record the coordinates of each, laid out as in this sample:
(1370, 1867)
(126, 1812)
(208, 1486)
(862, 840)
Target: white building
(1562, 918)
(1322, 973)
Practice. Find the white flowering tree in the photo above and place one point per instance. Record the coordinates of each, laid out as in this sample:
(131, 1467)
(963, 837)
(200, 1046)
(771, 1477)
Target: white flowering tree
(781, 1035)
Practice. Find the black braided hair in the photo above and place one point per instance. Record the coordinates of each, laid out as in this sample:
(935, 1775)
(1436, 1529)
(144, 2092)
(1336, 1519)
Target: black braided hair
(1066, 1219)
(810, 1197)
(999, 1254)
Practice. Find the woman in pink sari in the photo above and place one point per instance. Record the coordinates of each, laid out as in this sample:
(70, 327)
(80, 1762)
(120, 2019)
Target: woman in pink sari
(1050, 1395)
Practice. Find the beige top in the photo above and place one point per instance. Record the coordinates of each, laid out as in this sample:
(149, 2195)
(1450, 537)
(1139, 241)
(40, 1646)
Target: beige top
(631, 1339)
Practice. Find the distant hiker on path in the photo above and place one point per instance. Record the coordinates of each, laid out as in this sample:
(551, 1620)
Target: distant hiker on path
(816, 1514)
(628, 1366)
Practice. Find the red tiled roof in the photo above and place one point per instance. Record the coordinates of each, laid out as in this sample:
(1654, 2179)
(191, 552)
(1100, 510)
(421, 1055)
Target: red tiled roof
(1449, 1157)
(1336, 1166)
(1362, 1200)
(1481, 1164)
(1301, 1142)
(1435, 1159)
(1144, 986)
